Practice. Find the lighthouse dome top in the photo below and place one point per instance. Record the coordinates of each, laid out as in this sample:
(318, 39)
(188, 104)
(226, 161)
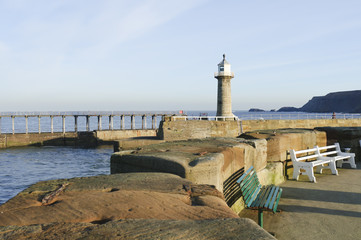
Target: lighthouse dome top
(224, 68)
(224, 61)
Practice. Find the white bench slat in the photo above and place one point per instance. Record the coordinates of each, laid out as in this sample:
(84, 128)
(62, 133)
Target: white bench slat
(314, 156)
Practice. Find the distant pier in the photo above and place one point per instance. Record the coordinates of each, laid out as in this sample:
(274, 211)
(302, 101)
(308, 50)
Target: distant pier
(133, 121)
(84, 129)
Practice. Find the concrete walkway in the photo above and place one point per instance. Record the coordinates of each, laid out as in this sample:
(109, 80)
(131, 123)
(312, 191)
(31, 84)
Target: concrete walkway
(328, 209)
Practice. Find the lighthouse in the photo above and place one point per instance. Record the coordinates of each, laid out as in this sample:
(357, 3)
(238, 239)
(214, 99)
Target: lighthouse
(224, 99)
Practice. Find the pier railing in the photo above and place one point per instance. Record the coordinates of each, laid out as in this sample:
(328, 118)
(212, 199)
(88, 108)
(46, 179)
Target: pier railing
(209, 118)
(275, 116)
(37, 122)
(299, 116)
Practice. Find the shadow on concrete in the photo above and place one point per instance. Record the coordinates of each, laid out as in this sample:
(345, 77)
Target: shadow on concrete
(141, 163)
(305, 209)
(321, 195)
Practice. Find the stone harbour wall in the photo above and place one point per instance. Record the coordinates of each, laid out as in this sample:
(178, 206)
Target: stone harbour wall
(171, 130)
(253, 125)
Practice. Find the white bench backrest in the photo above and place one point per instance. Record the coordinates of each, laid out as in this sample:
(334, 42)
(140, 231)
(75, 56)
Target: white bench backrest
(310, 154)
(324, 151)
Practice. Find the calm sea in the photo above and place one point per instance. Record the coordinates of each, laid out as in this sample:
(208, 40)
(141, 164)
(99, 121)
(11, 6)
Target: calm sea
(21, 167)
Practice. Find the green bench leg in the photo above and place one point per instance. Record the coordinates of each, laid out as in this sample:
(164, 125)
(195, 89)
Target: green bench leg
(260, 217)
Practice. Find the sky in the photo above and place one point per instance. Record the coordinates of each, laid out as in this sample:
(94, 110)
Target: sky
(149, 55)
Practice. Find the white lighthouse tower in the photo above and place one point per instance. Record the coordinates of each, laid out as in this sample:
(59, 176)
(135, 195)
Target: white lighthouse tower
(224, 99)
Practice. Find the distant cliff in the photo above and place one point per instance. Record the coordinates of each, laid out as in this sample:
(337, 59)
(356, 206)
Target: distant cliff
(348, 102)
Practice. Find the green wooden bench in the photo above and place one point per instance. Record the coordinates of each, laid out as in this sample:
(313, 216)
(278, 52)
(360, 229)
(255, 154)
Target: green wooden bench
(258, 197)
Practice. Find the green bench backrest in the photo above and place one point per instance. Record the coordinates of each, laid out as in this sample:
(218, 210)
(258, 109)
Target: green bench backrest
(257, 196)
(249, 185)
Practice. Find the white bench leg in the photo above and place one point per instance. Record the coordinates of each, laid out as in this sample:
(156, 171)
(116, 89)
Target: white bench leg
(352, 162)
(332, 165)
(296, 172)
(311, 176)
(339, 164)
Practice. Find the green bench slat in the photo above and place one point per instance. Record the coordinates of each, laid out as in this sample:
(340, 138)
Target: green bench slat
(273, 199)
(261, 194)
(245, 174)
(252, 188)
(269, 197)
(254, 195)
(248, 184)
(264, 198)
(247, 181)
(277, 201)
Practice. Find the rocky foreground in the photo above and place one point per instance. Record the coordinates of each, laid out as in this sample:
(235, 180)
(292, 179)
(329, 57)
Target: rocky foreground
(123, 206)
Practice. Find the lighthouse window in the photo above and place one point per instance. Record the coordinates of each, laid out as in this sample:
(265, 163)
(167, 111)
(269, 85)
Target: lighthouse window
(221, 69)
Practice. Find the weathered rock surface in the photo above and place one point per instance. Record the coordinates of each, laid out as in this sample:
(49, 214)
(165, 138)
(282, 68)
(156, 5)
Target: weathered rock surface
(124, 206)
(113, 197)
(231, 228)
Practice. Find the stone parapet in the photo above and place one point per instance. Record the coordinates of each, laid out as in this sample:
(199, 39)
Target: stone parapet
(191, 129)
(111, 135)
(252, 125)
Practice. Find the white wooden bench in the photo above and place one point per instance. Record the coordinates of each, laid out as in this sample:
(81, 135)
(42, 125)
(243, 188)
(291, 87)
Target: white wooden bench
(339, 157)
(307, 159)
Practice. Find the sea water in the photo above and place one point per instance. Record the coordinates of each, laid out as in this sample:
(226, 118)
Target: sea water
(21, 167)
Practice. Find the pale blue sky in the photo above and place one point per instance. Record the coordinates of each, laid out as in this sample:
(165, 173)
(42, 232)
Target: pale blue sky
(161, 55)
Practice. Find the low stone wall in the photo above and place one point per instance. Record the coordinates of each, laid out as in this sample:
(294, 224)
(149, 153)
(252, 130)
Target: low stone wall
(112, 135)
(86, 139)
(171, 130)
(81, 139)
(253, 125)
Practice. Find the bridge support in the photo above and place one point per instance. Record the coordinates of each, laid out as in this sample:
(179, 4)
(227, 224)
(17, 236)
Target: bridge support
(110, 122)
(13, 123)
(122, 122)
(26, 125)
(154, 122)
(99, 123)
(144, 122)
(63, 117)
(87, 123)
(52, 124)
(132, 123)
(75, 123)
(39, 127)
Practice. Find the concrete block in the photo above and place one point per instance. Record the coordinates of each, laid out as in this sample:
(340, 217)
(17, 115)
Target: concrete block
(272, 174)
(193, 129)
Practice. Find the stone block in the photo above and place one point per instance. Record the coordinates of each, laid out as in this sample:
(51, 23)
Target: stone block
(193, 129)
(272, 174)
